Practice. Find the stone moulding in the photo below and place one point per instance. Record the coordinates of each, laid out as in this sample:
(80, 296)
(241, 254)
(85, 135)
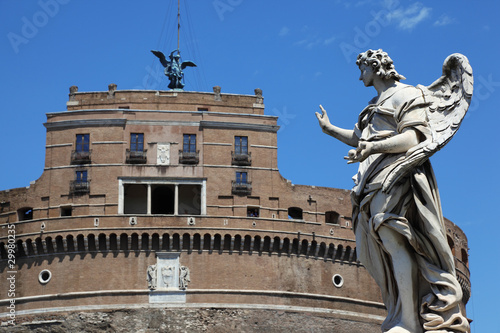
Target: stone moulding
(145, 292)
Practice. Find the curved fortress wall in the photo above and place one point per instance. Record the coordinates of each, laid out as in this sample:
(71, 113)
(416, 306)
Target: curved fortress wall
(161, 198)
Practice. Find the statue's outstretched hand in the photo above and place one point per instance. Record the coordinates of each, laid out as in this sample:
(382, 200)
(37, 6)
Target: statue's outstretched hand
(361, 153)
(323, 119)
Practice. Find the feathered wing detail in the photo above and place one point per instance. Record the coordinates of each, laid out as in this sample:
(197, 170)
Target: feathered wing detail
(449, 98)
(187, 63)
(162, 58)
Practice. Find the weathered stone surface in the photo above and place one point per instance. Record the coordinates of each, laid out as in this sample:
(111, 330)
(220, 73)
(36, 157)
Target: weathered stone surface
(221, 320)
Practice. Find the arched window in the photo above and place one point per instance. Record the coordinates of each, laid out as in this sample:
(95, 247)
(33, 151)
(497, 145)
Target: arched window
(91, 243)
(227, 243)
(102, 242)
(451, 243)
(134, 242)
(186, 242)
(145, 242)
(217, 242)
(332, 217)
(155, 242)
(207, 239)
(247, 243)
(197, 242)
(295, 213)
(465, 257)
(237, 243)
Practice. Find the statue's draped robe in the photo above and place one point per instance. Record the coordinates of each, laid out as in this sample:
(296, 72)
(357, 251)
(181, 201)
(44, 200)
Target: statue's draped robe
(410, 207)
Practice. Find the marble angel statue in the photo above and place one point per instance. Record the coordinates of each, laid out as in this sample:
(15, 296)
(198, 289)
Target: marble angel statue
(397, 218)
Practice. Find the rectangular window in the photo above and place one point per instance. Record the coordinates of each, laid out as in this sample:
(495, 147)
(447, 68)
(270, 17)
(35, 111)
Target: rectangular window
(82, 143)
(241, 177)
(252, 211)
(189, 143)
(66, 211)
(81, 176)
(183, 196)
(241, 145)
(136, 141)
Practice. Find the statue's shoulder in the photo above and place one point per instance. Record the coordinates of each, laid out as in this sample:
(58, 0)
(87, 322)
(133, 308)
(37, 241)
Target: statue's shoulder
(404, 94)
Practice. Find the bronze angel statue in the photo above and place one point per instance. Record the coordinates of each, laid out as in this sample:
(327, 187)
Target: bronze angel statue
(174, 67)
(397, 218)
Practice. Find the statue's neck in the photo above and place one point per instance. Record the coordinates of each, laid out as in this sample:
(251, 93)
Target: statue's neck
(386, 88)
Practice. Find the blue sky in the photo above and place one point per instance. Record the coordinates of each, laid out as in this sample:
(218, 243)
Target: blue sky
(300, 53)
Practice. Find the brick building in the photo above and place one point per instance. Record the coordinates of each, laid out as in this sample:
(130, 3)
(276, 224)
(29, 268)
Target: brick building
(169, 205)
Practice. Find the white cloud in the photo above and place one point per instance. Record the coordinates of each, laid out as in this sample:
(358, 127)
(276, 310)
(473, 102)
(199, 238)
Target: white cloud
(389, 3)
(310, 38)
(308, 43)
(443, 20)
(284, 31)
(408, 18)
(330, 40)
(350, 3)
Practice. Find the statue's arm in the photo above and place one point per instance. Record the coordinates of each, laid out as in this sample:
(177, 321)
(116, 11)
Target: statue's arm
(348, 137)
(399, 143)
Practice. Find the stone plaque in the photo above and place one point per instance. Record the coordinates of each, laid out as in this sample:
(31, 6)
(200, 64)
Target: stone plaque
(167, 280)
(163, 154)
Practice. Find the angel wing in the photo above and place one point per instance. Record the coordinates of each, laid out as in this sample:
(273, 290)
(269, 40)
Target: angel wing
(161, 56)
(187, 63)
(449, 98)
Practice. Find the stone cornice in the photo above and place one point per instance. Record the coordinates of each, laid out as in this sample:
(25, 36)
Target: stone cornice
(67, 124)
(239, 126)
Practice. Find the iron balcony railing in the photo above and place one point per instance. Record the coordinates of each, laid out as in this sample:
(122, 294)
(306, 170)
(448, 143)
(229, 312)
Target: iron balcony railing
(136, 156)
(241, 158)
(240, 188)
(192, 157)
(80, 157)
(79, 187)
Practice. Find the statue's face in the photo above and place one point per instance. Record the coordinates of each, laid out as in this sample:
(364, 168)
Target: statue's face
(367, 75)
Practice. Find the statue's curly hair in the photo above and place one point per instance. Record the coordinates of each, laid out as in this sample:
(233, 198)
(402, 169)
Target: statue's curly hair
(381, 63)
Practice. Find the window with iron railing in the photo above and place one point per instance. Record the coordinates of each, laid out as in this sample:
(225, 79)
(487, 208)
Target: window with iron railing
(81, 184)
(81, 154)
(241, 155)
(136, 154)
(241, 186)
(189, 154)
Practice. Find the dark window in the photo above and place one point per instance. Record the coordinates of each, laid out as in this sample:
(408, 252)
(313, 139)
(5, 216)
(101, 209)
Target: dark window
(202, 109)
(465, 257)
(135, 199)
(295, 213)
(136, 141)
(241, 177)
(189, 143)
(241, 145)
(332, 217)
(81, 176)
(163, 199)
(82, 143)
(66, 211)
(25, 214)
(252, 212)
